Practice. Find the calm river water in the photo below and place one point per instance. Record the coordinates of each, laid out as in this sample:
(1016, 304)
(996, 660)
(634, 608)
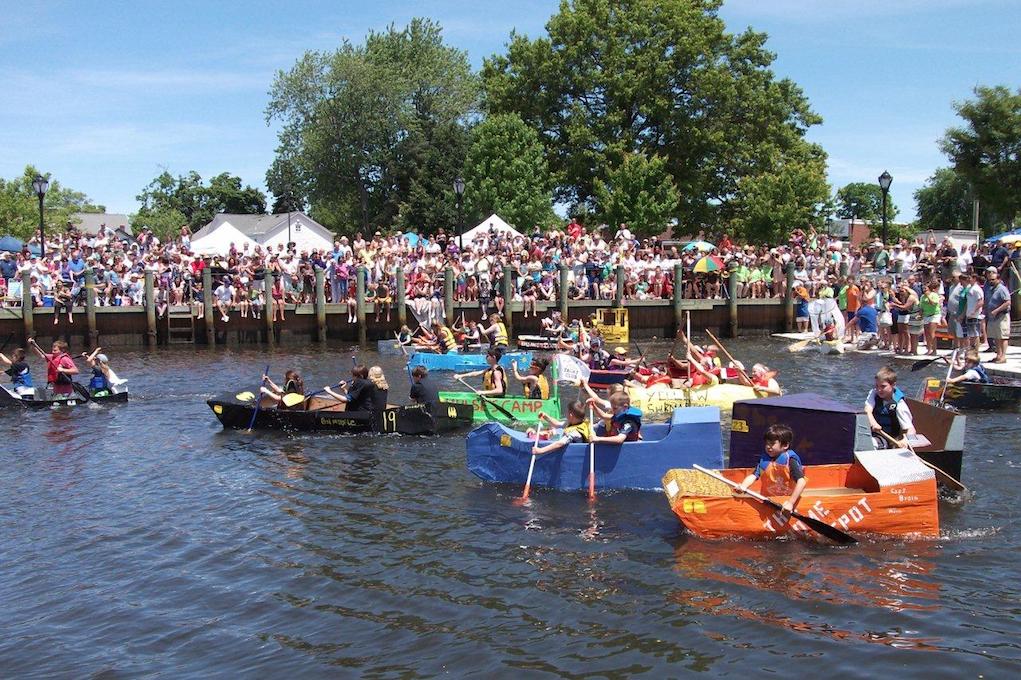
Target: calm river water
(143, 540)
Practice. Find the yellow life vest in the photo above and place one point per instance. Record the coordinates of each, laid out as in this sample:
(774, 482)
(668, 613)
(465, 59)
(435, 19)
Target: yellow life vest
(489, 383)
(538, 391)
(501, 335)
(447, 338)
(583, 428)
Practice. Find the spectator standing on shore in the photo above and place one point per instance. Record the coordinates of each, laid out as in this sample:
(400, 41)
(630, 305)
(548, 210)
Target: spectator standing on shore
(996, 300)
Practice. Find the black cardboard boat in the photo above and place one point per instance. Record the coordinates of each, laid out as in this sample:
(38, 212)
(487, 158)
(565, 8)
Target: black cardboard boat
(11, 399)
(327, 414)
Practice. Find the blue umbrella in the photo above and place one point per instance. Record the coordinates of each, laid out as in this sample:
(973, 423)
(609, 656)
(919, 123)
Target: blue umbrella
(11, 244)
(991, 239)
(413, 239)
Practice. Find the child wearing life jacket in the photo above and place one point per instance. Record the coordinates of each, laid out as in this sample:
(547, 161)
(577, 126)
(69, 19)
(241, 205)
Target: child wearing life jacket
(779, 468)
(293, 384)
(972, 369)
(887, 410)
(535, 384)
(625, 420)
(21, 374)
(103, 380)
(494, 379)
(60, 367)
(576, 429)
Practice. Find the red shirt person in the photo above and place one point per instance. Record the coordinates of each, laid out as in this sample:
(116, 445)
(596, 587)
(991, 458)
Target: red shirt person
(60, 367)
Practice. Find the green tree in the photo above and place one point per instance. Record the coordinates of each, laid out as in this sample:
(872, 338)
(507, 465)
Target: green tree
(167, 202)
(945, 202)
(506, 173)
(863, 201)
(19, 204)
(768, 206)
(639, 193)
(369, 127)
(987, 149)
(652, 77)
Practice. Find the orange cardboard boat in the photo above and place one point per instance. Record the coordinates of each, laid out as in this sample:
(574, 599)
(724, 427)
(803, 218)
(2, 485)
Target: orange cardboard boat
(888, 493)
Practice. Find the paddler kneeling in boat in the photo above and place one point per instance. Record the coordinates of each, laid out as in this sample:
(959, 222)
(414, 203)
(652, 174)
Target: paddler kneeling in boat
(60, 367)
(422, 390)
(293, 384)
(494, 378)
(779, 468)
(446, 343)
(103, 378)
(620, 361)
(576, 430)
(762, 379)
(972, 368)
(21, 374)
(535, 384)
(497, 333)
(887, 410)
(625, 421)
(364, 393)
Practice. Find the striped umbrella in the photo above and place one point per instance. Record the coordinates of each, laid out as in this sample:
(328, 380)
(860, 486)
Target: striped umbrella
(709, 263)
(702, 246)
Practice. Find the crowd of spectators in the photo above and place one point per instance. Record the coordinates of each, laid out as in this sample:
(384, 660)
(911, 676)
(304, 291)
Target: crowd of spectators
(591, 257)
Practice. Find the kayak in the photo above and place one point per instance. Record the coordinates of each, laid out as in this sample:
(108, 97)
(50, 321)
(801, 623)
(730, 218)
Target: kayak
(499, 454)
(461, 363)
(828, 431)
(524, 410)
(661, 399)
(9, 397)
(1001, 394)
(329, 414)
(887, 493)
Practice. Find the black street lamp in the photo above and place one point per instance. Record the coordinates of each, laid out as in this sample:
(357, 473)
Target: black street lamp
(459, 191)
(41, 184)
(885, 180)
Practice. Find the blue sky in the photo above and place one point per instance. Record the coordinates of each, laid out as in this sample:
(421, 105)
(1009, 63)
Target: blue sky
(105, 95)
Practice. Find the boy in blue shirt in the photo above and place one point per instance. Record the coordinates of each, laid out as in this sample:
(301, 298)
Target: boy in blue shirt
(625, 421)
(779, 468)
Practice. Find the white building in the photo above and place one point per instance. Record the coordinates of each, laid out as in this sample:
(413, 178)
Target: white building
(268, 231)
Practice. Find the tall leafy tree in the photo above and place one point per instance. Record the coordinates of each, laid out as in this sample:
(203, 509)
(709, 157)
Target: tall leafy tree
(653, 77)
(770, 205)
(863, 201)
(365, 125)
(19, 204)
(987, 149)
(639, 193)
(945, 202)
(169, 202)
(506, 173)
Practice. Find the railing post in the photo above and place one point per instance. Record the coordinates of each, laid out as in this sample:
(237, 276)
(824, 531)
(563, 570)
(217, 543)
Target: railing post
(269, 312)
(788, 298)
(90, 307)
(26, 305)
(618, 293)
(400, 298)
(320, 304)
(207, 304)
(678, 298)
(732, 303)
(508, 297)
(563, 291)
(150, 307)
(448, 294)
(360, 301)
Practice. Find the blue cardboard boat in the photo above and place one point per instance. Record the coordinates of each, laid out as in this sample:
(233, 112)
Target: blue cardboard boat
(499, 454)
(461, 363)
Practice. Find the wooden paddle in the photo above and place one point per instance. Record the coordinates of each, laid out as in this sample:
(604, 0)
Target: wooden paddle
(489, 401)
(950, 369)
(802, 344)
(258, 400)
(734, 361)
(401, 344)
(294, 398)
(531, 465)
(592, 457)
(940, 474)
(830, 532)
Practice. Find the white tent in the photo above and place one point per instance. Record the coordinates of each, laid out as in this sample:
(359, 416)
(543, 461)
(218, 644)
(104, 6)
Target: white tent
(494, 223)
(218, 240)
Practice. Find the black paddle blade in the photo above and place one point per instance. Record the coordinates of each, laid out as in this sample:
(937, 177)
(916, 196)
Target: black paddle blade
(922, 363)
(832, 533)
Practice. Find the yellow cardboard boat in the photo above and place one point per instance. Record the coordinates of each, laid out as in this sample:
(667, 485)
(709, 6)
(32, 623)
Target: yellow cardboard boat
(661, 399)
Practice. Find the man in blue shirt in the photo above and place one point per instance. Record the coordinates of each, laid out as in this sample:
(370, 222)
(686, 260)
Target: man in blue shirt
(867, 321)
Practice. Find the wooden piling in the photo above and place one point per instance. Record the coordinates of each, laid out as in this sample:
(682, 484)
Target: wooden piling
(90, 307)
(320, 304)
(448, 294)
(150, 308)
(678, 298)
(618, 293)
(788, 298)
(508, 296)
(26, 306)
(268, 312)
(360, 301)
(732, 302)
(563, 292)
(400, 299)
(207, 304)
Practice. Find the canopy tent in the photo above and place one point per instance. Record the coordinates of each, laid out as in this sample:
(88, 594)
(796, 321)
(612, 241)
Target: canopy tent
(1009, 236)
(11, 244)
(491, 223)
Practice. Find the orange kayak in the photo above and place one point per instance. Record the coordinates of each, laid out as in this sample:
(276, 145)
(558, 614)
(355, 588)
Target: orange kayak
(889, 493)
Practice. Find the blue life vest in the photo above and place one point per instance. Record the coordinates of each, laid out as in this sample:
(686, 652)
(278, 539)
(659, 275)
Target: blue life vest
(23, 379)
(885, 413)
(98, 382)
(983, 376)
(631, 415)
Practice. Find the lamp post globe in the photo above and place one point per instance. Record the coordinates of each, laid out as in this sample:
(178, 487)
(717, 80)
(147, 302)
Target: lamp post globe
(459, 192)
(41, 184)
(885, 180)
